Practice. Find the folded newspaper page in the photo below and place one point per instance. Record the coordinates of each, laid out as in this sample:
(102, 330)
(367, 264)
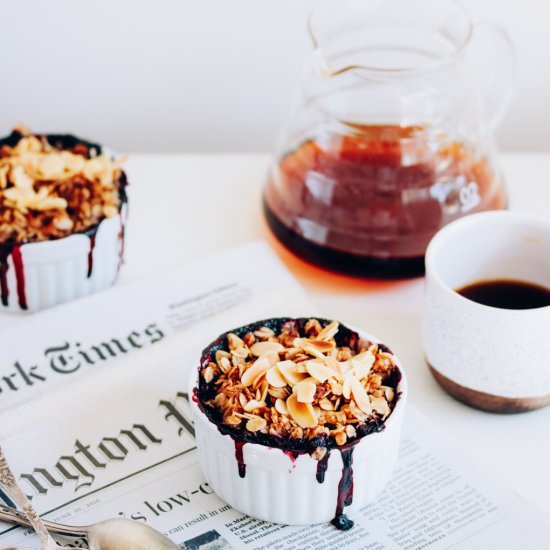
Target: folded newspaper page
(115, 438)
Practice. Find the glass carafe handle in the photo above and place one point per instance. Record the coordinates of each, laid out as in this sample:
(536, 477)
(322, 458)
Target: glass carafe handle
(502, 64)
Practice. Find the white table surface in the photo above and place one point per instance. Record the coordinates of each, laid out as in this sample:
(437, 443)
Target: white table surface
(185, 207)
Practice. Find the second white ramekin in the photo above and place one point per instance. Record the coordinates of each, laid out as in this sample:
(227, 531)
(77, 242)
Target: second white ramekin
(57, 271)
(277, 488)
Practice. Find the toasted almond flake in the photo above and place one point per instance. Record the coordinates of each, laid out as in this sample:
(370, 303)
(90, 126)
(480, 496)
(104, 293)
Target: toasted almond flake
(264, 333)
(242, 400)
(251, 374)
(274, 378)
(280, 406)
(302, 413)
(346, 386)
(388, 392)
(358, 413)
(241, 352)
(332, 363)
(329, 331)
(278, 393)
(256, 424)
(272, 357)
(301, 367)
(341, 438)
(233, 341)
(319, 453)
(345, 367)
(208, 374)
(319, 372)
(260, 348)
(336, 388)
(350, 431)
(224, 364)
(253, 404)
(232, 420)
(360, 395)
(362, 363)
(326, 404)
(315, 348)
(380, 405)
(305, 390)
(289, 373)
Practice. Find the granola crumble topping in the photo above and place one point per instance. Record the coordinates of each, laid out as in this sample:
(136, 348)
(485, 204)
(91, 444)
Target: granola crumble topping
(310, 383)
(49, 190)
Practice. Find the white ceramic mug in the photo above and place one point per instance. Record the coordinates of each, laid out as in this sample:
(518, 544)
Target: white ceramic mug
(492, 358)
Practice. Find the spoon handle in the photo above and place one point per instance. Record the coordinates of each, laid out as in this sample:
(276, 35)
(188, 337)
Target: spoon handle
(7, 480)
(11, 515)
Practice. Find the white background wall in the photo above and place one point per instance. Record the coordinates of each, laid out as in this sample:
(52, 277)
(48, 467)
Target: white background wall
(203, 75)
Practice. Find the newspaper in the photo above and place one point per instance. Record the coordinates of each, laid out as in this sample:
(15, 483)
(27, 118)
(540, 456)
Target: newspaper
(118, 441)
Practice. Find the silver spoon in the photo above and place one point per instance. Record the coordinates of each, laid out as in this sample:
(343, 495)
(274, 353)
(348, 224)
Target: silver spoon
(7, 480)
(110, 534)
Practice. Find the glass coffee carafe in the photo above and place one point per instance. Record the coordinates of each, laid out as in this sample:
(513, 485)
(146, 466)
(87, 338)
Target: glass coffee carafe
(391, 138)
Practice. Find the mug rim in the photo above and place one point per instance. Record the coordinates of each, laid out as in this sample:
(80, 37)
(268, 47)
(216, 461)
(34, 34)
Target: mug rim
(479, 218)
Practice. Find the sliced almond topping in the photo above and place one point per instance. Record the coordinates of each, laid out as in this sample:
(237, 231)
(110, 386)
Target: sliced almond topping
(260, 348)
(234, 341)
(346, 386)
(326, 404)
(350, 431)
(306, 345)
(389, 393)
(319, 372)
(289, 372)
(280, 406)
(224, 364)
(278, 393)
(380, 405)
(274, 378)
(302, 413)
(242, 400)
(251, 374)
(256, 424)
(208, 374)
(272, 357)
(329, 331)
(253, 404)
(332, 363)
(264, 332)
(305, 390)
(345, 367)
(360, 395)
(232, 420)
(336, 387)
(362, 363)
(240, 352)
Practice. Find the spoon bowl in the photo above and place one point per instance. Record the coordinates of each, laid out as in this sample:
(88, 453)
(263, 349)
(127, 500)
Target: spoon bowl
(126, 534)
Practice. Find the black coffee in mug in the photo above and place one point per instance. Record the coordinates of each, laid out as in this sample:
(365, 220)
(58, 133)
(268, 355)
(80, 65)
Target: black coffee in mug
(507, 294)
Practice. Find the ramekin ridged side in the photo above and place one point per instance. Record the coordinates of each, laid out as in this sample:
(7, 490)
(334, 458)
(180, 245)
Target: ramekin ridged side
(279, 489)
(54, 272)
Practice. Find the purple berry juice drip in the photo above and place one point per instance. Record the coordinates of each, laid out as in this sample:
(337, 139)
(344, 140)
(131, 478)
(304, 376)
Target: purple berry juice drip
(5, 291)
(239, 456)
(322, 466)
(19, 268)
(92, 237)
(345, 491)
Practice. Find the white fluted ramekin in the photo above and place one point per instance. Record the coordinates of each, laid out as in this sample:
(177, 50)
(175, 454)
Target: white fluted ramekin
(277, 488)
(53, 272)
